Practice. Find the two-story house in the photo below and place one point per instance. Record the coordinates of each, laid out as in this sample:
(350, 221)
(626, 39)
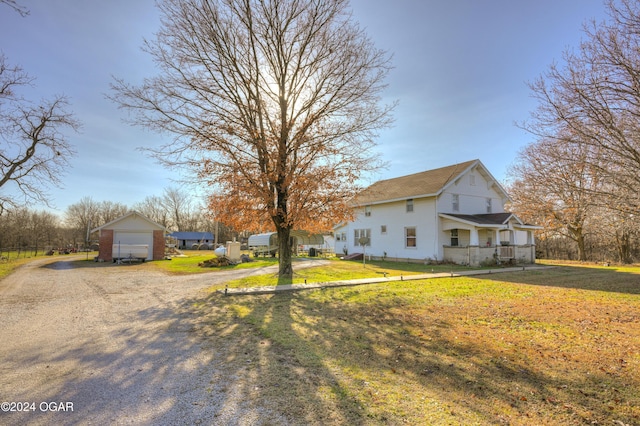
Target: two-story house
(454, 213)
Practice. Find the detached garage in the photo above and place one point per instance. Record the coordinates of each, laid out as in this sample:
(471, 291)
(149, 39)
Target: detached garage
(131, 236)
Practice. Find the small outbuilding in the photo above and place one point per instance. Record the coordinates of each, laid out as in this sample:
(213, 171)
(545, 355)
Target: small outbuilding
(193, 240)
(267, 243)
(131, 236)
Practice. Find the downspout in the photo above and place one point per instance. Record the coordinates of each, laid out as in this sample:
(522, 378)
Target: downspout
(437, 230)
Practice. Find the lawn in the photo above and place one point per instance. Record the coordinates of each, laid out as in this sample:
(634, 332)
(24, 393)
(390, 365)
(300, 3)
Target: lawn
(558, 346)
(8, 265)
(189, 263)
(9, 261)
(339, 270)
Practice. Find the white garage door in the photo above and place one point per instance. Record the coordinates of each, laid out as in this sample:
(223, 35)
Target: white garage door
(121, 237)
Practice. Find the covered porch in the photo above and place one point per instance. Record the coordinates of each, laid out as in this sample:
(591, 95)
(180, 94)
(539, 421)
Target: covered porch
(487, 239)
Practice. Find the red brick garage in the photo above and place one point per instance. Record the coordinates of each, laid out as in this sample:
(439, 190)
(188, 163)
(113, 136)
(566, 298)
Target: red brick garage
(131, 229)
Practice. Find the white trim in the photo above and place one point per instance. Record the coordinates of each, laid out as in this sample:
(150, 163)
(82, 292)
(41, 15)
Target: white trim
(121, 218)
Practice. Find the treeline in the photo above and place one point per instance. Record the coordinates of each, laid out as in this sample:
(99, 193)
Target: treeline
(580, 179)
(26, 231)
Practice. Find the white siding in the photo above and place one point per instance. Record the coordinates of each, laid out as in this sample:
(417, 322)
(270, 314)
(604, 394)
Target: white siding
(432, 234)
(472, 198)
(395, 218)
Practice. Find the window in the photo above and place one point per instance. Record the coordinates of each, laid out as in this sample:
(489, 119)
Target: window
(361, 233)
(489, 205)
(454, 238)
(455, 202)
(367, 211)
(472, 180)
(383, 229)
(410, 237)
(341, 236)
(409, 205)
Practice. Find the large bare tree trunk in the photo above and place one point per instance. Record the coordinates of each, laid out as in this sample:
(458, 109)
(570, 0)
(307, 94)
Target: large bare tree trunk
(285, 270)
(284, 252)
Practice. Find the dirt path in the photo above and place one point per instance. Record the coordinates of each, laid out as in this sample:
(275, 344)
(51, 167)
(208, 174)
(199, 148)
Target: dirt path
(112, 344)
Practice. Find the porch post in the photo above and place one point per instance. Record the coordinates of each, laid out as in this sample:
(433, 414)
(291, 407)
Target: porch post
(497, 237)
(474, 239)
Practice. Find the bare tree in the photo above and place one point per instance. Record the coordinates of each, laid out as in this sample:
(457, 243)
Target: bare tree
(274, 104)
(153, 208)
(81, 216)
(28, 230)
(595, 93)
(110, 210)
(179, 206)
(23, 11)
(554, 184)
(34, 152)
(176, 209)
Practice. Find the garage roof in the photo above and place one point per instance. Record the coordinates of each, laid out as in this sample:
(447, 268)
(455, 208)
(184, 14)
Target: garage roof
(131, 216)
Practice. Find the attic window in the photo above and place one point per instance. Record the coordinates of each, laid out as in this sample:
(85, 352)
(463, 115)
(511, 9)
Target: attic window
(409, 205)
(472, 180)
(367, 211)
(455, 202)
(489, 208)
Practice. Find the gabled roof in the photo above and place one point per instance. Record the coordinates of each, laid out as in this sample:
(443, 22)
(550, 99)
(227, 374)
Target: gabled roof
(418, 185)
(133, 214)
(192, 235)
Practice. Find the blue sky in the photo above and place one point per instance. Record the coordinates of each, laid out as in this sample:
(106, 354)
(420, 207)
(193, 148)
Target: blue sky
(460, 73)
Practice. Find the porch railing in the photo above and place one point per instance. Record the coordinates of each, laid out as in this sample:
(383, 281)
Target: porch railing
(506, 252)
(475, 255)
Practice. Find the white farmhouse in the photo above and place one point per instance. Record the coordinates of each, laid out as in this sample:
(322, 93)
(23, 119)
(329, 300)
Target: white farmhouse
(454, 213)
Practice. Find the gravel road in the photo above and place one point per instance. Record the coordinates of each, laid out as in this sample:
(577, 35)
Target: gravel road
(113, 345)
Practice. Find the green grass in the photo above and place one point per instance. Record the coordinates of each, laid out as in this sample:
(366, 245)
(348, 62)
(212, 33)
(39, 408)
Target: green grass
(342, 270)
(558, 346)
(336, 270)
(7, 266)
(189, 263)
(9, 261)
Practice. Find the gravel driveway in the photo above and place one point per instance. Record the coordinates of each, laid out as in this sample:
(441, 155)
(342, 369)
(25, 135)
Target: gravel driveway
(112, 345)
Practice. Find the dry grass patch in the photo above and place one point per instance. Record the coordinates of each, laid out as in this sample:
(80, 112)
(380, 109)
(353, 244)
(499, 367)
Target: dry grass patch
(559, 346)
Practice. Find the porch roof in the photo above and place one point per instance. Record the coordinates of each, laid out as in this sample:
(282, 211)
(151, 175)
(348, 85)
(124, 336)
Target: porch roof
(489, 220)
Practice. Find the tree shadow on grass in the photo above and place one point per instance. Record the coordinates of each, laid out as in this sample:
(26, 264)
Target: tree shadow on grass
(274, 365)
(326, 356)
(594, 278)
